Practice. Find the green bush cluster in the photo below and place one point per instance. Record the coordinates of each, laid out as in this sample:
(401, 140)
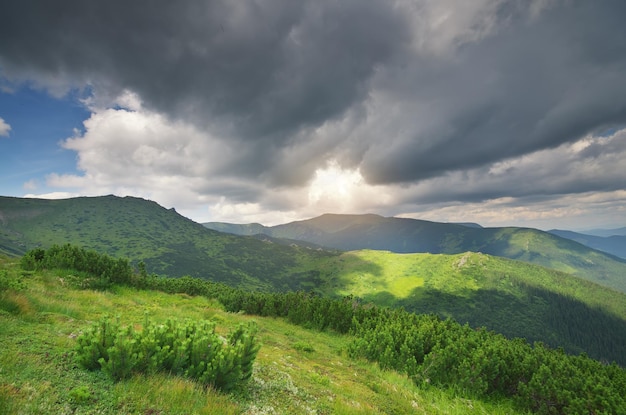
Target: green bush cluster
(187, 349)
(305, 309)
(434, 351)
(485, 364)
(103, 268)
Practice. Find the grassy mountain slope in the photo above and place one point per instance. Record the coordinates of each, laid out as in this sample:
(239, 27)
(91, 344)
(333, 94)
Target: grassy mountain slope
(167, 242)
(614, 244)
(297, 371)
(402, 235)
(511, 297)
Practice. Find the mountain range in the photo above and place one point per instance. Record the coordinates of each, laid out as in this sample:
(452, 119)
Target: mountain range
(403, 235)
(611, 241)
(519, 282)
(612, 244)
(141, 230)
(605, 232)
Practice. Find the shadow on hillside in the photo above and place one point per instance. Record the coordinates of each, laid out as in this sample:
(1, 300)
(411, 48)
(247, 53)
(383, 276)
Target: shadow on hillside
(538, 315)
(249, 263)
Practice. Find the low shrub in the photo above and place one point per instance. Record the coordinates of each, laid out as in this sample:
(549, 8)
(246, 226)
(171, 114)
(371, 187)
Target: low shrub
(187, 349)
(10, 281)
(303, 346)
(103, 268)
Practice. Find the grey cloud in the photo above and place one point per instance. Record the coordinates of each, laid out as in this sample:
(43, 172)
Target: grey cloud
(533, 84)
(255, 69)
(593, 164)
(234, 191)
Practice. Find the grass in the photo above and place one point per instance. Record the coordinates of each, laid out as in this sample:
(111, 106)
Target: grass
(367, 272)
(297, 371)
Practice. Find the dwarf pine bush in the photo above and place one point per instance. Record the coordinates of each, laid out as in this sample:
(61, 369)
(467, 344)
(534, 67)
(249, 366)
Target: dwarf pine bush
(190, 349)
(103, 269)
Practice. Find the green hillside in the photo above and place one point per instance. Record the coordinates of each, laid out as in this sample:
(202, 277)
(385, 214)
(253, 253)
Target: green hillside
(511, 297)
(402, 235)
(167, 242)
(297, 371)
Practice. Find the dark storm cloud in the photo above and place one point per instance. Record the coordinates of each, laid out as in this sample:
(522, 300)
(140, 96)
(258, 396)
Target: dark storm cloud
(268, 75)
(593, 164)
(535, 83)
(255, 69)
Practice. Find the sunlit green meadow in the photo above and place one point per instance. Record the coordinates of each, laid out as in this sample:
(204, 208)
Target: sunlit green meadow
(297, 371)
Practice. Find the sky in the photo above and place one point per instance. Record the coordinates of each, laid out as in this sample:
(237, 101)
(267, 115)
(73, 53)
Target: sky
(500, 112)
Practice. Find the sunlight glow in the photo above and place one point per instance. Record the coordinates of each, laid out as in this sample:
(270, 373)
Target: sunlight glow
(334, 188)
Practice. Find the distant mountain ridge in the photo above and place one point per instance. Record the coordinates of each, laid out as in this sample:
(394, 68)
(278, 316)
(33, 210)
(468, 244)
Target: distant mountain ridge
(614, 244)
(249, 229)
(605, 232)
(404, 235)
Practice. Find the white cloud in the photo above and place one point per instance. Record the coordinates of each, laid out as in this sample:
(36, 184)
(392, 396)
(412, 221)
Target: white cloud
(32, 184)
(141, 153)
(226, 211)
(573, 211)
(4, 128)
(101, 99)
(54, 195)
